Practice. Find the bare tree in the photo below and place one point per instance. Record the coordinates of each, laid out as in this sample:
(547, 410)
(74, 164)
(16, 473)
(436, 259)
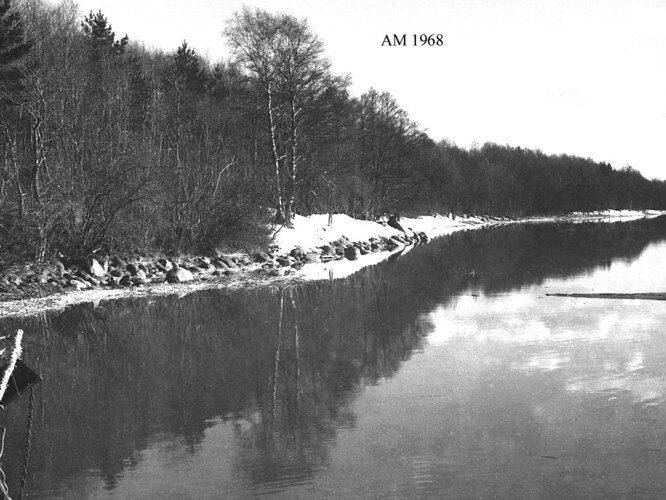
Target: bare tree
(286, 59)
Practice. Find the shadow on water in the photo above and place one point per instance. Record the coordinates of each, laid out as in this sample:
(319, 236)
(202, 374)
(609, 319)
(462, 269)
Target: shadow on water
(282, 365)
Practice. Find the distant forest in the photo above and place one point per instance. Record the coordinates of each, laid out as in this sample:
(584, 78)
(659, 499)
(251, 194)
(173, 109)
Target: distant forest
(104, 143)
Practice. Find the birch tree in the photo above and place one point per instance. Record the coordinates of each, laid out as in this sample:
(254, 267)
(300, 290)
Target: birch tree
(286, 59)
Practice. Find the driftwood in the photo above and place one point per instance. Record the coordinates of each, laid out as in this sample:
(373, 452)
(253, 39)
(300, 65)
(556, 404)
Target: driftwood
(636, 296)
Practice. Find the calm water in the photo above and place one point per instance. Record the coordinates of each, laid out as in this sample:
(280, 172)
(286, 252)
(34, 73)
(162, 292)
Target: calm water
(446, 372)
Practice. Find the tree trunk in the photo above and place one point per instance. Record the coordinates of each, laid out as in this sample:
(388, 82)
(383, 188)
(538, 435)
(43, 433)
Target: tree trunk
(279, 215)
(293, 171)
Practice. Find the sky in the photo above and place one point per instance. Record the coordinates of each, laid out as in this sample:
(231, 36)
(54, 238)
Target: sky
(579, 77)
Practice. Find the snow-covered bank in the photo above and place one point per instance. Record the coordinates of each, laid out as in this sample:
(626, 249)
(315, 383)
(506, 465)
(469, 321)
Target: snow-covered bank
(312, 241)
(313, 231)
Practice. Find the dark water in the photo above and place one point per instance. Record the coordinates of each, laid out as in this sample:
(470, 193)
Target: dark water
(446, 372)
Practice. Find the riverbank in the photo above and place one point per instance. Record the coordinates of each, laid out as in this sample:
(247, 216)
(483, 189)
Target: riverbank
(312, 249)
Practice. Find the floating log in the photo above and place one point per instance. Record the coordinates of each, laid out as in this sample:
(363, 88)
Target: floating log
(633, 296)
(20, 379)
(15, 376)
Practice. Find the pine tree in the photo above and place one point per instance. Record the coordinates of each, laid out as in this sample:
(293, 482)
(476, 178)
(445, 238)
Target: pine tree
(190, 75)
(13, 49)
(97, 27)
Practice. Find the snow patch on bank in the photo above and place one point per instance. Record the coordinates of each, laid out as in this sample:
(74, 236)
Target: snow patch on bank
(311, 232)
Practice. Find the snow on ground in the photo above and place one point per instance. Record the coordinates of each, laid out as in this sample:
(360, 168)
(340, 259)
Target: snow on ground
(313, 231)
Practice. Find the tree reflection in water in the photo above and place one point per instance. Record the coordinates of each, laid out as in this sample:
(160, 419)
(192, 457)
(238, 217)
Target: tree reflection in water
(281, 364)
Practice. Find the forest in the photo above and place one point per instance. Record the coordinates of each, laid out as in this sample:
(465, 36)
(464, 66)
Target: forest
(107, 144)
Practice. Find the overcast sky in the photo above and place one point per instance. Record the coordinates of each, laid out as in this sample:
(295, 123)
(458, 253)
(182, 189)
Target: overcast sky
(583, 77)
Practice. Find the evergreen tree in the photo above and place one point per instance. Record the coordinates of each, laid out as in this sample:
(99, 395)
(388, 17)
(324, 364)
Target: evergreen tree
(190, 75)
(13, 48)
(97, 27)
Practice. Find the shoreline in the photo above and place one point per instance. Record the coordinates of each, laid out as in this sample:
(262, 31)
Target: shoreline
(300, 254)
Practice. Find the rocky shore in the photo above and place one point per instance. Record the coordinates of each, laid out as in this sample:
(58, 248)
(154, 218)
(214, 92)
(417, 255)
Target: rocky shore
(100, 271)
(311, 249)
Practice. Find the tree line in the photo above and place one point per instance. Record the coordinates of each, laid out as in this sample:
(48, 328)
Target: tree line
(104, 143)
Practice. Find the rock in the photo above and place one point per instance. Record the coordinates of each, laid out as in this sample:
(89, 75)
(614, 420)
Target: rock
(132, 269)
(261, 257)
(141, 274)
(77, 284)
(297, 265)
(165, 264)
(327, 250)
(202, 262)
(284, 261)
(59, 269)
(351, 252)
(179, 275)
(125, 281)
(297, 253)
(96, 269)
(84, 276)
(311, 257)
(118, 262)
(93, 281)
(393, 222)
(139, 281)
(393, 243)
(116, 273)
(219, 264)
(227, 262)
(242, 261)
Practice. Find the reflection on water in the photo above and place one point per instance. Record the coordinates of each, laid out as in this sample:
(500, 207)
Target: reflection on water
(444, 372)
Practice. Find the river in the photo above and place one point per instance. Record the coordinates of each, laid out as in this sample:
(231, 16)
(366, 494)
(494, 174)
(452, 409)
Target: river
(447, 372)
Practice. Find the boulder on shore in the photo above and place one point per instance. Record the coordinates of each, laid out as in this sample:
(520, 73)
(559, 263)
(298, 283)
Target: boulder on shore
(227, 262)
(98, 270)
(262, 257)
(297, 253)
(179, 275)
(311, 257)
(351, 252)
(132, 269)
(393, 222)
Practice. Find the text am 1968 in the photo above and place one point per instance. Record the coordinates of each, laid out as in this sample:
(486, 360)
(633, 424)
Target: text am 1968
(405, 40)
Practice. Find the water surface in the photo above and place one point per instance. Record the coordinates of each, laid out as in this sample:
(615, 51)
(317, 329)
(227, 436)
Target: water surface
(446, 372)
